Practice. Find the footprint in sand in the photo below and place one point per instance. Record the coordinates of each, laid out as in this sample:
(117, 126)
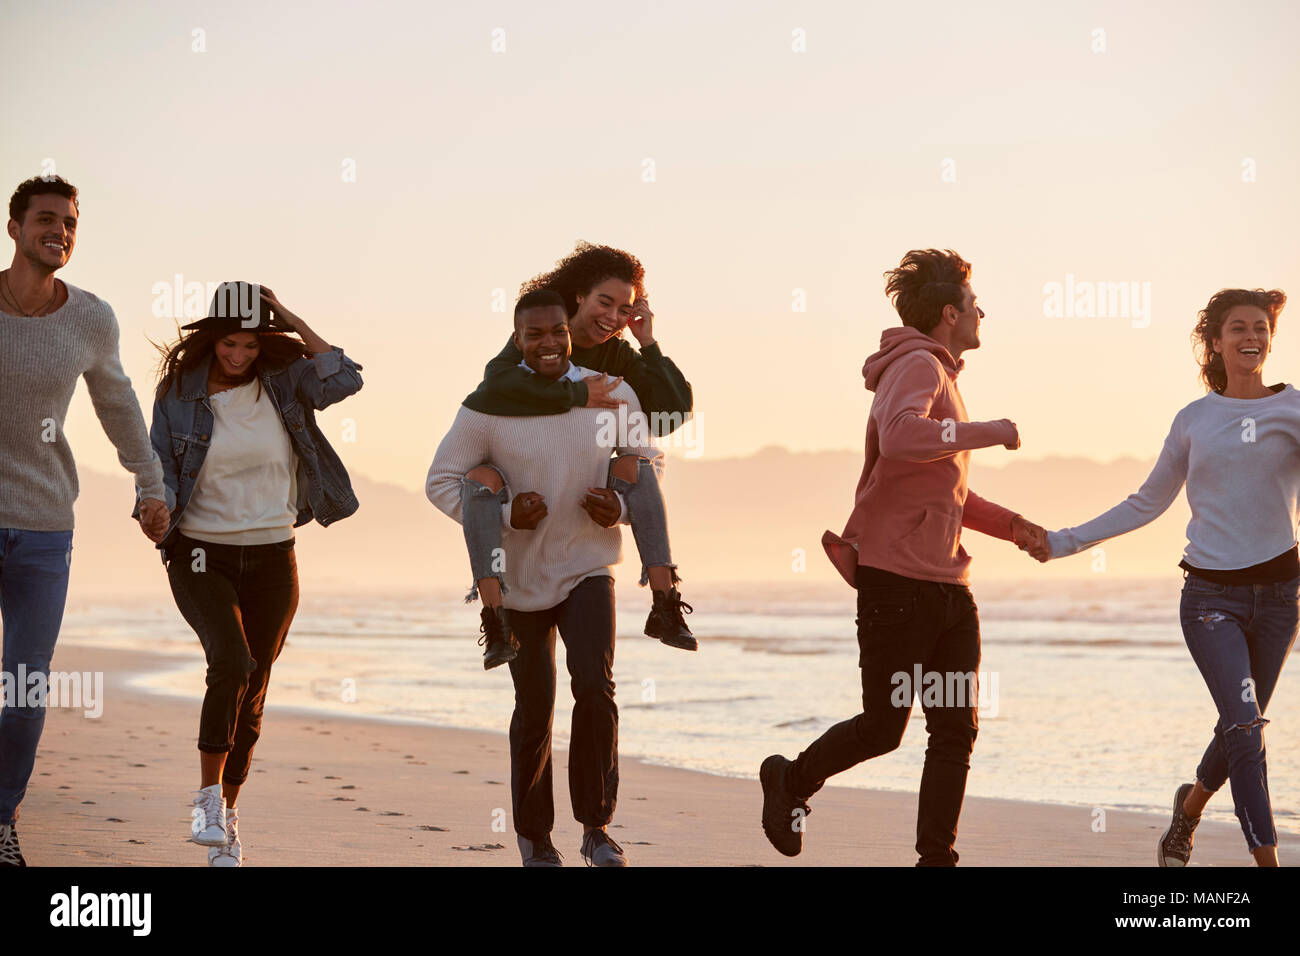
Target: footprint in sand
(366, 809)
(460, 771)
(87, 803)
(139, 765)
(638, 843)
(433, 829)
(495, 782)
(392, 813)
(304, 768)
(345, 799)
(480, 846)
(348, 786)
(114, 820)
(331, 777)
(139, 842)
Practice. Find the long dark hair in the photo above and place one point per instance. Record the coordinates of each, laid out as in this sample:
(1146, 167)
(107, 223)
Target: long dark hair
(275, 350)
(1209, 326)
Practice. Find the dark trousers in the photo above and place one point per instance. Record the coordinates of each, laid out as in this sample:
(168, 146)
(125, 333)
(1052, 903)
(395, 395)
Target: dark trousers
(585, 620)
(905, 624)
(240, 600)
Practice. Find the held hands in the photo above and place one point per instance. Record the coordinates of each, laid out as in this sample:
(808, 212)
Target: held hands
(527, 511)
(642, 322)
(598, 391)
(602, 506)
(154, 519)
(1031, 539)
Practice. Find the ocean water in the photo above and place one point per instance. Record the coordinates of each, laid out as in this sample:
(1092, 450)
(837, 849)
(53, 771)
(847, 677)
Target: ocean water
(1088, 694)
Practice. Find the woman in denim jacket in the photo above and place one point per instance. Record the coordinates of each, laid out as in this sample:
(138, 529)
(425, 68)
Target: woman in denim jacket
(244, 464)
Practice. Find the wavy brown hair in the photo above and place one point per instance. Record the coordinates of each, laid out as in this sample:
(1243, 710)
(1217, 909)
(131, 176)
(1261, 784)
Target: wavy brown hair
(275, 350)
(1209, 326)
(586, 267)
(924, 282)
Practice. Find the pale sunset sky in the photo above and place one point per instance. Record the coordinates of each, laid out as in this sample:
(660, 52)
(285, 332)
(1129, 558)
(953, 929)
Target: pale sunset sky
(742, 150)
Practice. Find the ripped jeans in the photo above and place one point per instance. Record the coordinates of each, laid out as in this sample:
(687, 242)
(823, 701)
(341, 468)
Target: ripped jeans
(481, 519)
(1239, 636)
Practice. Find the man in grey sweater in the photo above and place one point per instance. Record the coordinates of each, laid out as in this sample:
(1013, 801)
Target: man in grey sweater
(51, 334)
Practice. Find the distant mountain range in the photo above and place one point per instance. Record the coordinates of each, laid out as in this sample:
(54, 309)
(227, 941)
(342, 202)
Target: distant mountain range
(735, 519)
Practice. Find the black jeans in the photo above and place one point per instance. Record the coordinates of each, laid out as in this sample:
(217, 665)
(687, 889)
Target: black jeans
(906, 627)
(240, 600)
(586, 623)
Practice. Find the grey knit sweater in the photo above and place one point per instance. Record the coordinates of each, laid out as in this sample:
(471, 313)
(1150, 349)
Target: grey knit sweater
(41, 358)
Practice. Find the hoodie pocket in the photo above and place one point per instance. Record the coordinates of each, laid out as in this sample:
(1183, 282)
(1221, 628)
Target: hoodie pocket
(933, 540)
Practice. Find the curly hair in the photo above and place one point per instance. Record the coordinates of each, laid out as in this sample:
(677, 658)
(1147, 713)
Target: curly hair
(585, 268)
(924, 282)
(40, 186)
(1209, 326)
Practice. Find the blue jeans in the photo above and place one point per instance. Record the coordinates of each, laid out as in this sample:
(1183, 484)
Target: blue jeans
(1239, 636)
(481, 520)
(34, 569)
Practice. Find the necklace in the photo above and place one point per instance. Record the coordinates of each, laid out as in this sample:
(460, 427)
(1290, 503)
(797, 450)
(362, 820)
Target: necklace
(21, 311)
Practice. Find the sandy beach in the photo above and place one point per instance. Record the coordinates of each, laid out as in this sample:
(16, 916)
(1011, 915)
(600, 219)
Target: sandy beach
(327, 791)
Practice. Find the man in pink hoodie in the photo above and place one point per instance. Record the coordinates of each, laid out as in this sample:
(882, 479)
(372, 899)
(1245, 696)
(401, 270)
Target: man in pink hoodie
(902, 550)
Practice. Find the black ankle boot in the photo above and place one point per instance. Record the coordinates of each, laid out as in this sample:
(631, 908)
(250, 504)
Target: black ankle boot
(666, 622)
(501, 647)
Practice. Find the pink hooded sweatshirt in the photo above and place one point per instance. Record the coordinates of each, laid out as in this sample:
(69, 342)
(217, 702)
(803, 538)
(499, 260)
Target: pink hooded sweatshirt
(912, 500)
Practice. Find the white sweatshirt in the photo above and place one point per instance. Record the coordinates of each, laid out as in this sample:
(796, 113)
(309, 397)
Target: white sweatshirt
(559, 457)
(1240, 460)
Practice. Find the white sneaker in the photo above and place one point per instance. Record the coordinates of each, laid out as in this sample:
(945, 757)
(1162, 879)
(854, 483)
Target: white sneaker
(208, 818)
(231, 853)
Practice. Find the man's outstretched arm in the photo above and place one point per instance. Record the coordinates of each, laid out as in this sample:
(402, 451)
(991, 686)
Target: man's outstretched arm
(907, 433)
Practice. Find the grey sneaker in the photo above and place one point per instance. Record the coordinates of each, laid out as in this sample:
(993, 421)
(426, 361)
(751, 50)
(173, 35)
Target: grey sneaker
(1175, 847)
(10, 855)
(539, 852)
(599, 849)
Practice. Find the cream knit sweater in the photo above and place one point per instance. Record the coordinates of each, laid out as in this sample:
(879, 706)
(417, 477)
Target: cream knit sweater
(559, 457)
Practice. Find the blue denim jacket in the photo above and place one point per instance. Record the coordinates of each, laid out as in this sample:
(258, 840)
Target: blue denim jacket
(182, 431)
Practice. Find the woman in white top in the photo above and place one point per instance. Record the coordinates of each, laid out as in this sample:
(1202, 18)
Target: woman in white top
(1238, 451)
(244, 463)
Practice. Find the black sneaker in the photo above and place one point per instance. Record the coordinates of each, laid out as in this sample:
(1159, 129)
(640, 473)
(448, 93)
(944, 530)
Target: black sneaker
(501, 647)
(666, 622)
(10, 855)
(781, 821)
(539, 852)
(1175, 847)
(599, 849)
